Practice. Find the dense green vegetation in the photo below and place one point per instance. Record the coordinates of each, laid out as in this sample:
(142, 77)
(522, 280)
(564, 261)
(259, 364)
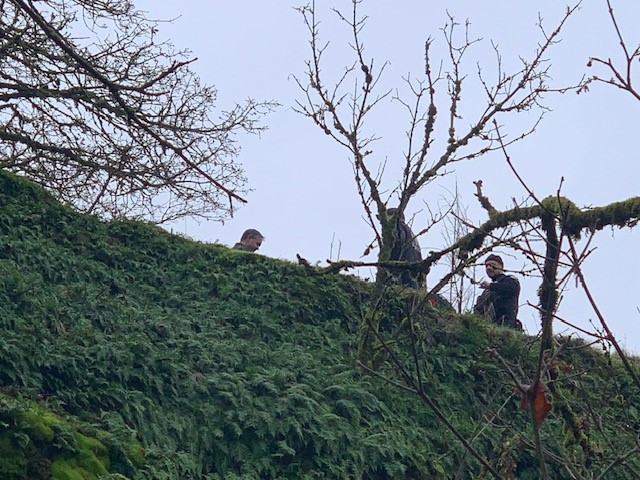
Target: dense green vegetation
(127, 352)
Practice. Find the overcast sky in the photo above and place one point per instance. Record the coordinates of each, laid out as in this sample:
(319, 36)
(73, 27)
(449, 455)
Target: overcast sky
(303, 197)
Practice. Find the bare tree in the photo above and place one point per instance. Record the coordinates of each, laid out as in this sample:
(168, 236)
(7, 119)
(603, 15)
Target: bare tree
(544, 230)
(455, 226)
(341, 111)
(97, 110)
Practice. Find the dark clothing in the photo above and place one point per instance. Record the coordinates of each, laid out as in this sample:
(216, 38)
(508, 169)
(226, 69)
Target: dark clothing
(240, 246)
(499, 301)
(407, 249)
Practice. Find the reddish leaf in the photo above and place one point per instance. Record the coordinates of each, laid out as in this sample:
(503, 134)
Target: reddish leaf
(541, 406)
(534, 393)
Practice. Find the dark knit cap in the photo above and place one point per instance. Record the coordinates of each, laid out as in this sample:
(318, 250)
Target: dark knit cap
(494, 258)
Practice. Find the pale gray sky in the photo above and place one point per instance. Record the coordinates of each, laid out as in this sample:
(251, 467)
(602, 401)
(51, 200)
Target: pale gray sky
(303, 198)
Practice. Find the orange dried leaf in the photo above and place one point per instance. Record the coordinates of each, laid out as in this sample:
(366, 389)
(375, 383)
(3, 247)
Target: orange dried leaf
(541, 406)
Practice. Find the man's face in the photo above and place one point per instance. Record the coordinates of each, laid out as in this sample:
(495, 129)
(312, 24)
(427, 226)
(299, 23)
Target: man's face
(492, 269)
(253, 243)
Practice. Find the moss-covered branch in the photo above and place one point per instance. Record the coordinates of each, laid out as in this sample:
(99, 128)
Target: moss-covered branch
(571, 219)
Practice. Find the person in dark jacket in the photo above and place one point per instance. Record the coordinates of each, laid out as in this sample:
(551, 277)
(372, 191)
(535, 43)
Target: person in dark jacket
(250, 241)
(499, 300)
(406, 249)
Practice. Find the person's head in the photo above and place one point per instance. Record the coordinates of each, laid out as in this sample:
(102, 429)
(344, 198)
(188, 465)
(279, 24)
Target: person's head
(252, 239)
(494, 265)
(391, 211)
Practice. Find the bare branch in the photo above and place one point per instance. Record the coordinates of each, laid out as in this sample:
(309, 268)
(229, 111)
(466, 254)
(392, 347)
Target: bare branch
(113, 122)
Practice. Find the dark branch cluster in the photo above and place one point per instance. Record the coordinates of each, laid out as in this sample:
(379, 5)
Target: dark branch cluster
(620, 76)
(110, 120)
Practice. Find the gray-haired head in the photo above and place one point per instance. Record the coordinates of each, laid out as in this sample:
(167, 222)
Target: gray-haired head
(251, 233)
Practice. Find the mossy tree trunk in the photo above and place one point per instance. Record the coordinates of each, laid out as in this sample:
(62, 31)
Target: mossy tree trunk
(548, 290)
(368, 342)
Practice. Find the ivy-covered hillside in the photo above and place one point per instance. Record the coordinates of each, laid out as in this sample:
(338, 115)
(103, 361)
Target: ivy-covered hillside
(130, 353)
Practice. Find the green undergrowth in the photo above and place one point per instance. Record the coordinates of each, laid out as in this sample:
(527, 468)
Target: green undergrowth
(127, 352)
(37, 444)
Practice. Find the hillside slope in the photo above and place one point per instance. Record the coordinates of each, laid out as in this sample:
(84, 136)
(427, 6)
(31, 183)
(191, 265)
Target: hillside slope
(127, 352)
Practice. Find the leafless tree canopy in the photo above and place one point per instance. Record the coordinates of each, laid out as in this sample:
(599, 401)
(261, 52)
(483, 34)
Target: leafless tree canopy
(545, 230)
(111, 120)
(433, 109)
